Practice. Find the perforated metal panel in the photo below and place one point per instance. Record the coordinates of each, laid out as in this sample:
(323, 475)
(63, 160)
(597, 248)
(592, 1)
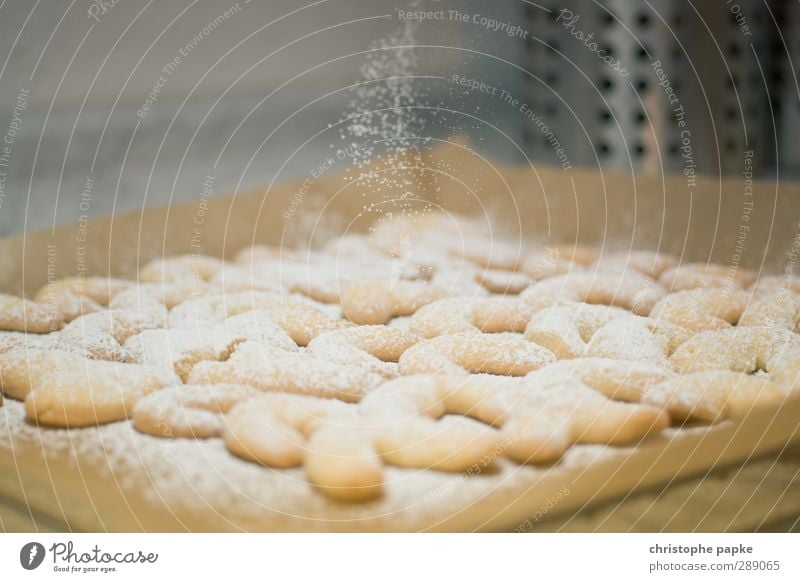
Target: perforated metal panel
(786, 97)
(694, 88)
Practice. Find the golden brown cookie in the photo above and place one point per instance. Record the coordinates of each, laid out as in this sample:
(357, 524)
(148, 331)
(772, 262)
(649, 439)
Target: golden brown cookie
(375, 348)
(507, 354)
(459, 315)
(627, 288)
(715, 395)
(702, 275)
(779, 308)
(301, 320)
(746, 350)
(76, 296)
(376, 302)
(188, 411)
(17, 314)
(702, 309)
(63, 389)
(269, 368)
(180, 268)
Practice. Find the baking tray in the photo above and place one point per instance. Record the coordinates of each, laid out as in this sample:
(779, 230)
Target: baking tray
(112, 478)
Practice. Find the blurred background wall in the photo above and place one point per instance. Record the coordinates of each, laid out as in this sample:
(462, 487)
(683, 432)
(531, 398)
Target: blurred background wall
(239, 86)
(108, 106)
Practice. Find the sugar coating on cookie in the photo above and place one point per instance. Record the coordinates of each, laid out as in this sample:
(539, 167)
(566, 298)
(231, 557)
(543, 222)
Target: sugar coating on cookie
(702, 309)
(778, 308)
(76, 296)
(159, 298)
(503, 282)
(177, 350)
(100, 335)
(17, 314)
(772, 283)
(715, 395)
(321, 275)
(375, 348)
(626, 380)
(566, 329)
(270, 368)
(439, 237)
(700, 275)
(578, 329)
(650, 263)
(459, 315)
(189, 411)
(62, 389)
(18, 340)
(743, 349)
(301, 320)
(180, 268)
(376, 302)
(549, 261)
(636, 338)
(508, 354)
(619, 287)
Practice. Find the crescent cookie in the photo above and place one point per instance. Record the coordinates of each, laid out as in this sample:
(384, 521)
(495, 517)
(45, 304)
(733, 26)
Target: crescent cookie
(454, 237)
(576, 330)
(269, 368)
(376, 302)
(622, 288)
(76, 296)
(536, 418)
(637, 338)
(180, 268)
(702, 309)
(771, 283)
(551, 261)
(343, 448)
(649, 263)
(549, 414)
(159, 298)
(301, 320)
(626, 380)
(17, 314)
(415, 424)
(462, 280)
(447, 423)
(459, 315)
(507, 354)
(372, 347)
(779, 308)
(745, 350)
(701, 275)
(99, 335)
(17, 340)
(190, 411)
(62, 389)
(715, 395)
(272, 429)
(176, 350)
(566, 329)
(503, 282)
